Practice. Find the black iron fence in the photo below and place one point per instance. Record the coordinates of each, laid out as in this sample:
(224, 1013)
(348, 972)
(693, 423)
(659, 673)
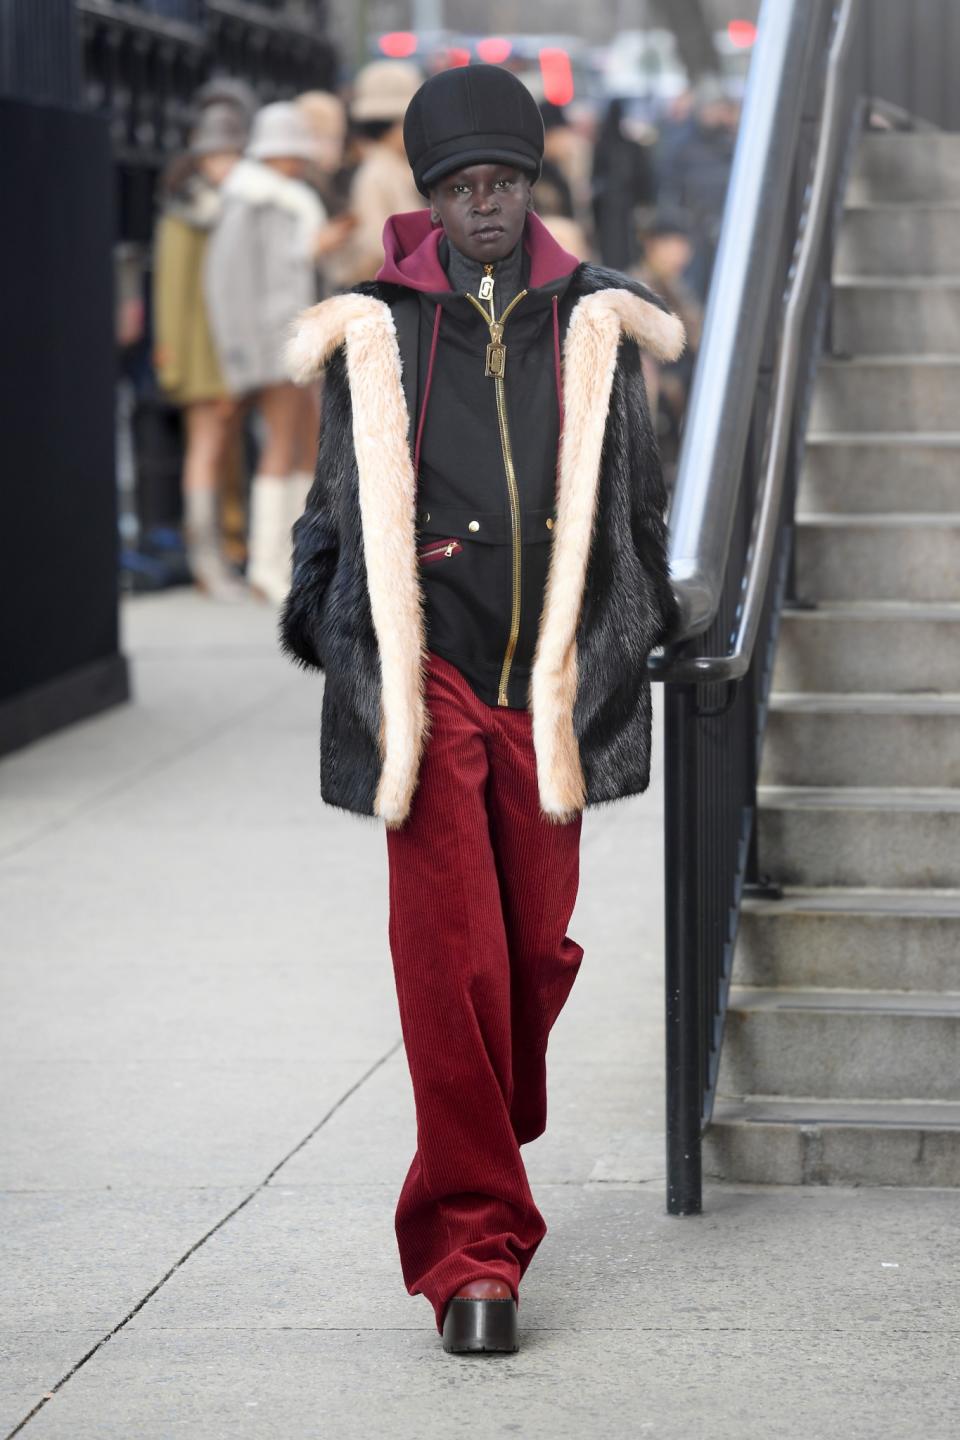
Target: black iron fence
(144, 60)
(731, 525)
(39, 55)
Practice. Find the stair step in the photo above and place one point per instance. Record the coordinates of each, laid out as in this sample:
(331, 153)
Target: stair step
(846, 835)
(858, 646)
(909, 556)
(841, 1142)
(873, 1044)
(819, 738)
(906, 168)
(876, 315)
(892, 239)
(868, 471)
(887, 392)
(850, 938)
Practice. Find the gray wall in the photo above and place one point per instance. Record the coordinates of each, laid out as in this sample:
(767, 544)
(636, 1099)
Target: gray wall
(912, 54)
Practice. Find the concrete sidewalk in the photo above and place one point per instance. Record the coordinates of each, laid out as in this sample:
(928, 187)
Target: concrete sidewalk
(207, 1118)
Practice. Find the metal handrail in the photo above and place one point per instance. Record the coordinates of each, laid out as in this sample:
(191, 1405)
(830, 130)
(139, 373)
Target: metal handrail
(697, 580)
(732, 529)
(718, 414)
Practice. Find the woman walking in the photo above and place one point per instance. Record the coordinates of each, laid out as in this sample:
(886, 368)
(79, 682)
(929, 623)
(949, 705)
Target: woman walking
(480, 571)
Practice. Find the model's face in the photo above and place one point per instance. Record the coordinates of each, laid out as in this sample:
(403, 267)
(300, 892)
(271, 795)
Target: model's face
(483, 209)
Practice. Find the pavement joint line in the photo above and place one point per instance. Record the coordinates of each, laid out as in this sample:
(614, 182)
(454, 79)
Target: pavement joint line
(197, 1244)
(129, 782)
(814, 1328)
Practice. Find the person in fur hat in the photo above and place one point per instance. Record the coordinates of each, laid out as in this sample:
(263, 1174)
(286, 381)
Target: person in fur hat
(480, 573)
(260, 271)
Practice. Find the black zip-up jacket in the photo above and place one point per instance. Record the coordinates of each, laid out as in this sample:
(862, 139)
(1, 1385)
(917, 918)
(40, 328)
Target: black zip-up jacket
(486, 454)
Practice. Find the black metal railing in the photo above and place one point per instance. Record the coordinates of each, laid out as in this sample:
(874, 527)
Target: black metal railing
(731, 523)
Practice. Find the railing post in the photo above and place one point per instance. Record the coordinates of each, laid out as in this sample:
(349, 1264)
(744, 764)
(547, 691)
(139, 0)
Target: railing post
(681, 865)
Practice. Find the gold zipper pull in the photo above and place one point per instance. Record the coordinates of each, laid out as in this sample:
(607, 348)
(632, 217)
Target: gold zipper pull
(496, 362)
(496, 352)
(486, 284)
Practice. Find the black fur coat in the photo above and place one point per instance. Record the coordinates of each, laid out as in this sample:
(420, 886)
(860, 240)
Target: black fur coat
(355, 608)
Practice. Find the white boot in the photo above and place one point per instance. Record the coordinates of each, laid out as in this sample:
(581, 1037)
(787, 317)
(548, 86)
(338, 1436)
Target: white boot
(300, 483)
(210, 571)
(269, 544)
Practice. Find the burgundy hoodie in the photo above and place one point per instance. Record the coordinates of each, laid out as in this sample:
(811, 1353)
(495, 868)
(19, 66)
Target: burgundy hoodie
(485, 492)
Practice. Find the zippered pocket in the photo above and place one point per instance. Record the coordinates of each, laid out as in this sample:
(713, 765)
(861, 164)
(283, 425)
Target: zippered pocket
(439, 550)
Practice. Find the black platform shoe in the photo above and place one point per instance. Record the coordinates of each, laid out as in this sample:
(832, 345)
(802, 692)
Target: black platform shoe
(480, 1327)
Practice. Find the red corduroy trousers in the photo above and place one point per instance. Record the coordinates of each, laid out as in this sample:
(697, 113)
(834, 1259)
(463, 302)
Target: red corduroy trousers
(482, 887)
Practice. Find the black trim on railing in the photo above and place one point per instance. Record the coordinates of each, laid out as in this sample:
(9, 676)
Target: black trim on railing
(731, 524)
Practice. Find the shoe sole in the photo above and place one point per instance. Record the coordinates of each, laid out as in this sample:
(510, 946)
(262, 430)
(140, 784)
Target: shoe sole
(480, 1327)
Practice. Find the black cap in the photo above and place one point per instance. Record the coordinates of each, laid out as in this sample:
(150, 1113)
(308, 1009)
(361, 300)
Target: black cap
(470, 115)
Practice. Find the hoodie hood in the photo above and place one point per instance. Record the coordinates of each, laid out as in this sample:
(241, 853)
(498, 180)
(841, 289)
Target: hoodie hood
(411, 249)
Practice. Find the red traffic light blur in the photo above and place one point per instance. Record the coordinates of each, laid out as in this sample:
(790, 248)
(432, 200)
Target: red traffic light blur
(742, 33)
(398, 44)
(494, 49)
(557, 75)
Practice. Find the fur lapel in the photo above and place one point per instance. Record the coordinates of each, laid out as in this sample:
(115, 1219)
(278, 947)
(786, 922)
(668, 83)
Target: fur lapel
(388, 516)
(589, 361)
(387, 488)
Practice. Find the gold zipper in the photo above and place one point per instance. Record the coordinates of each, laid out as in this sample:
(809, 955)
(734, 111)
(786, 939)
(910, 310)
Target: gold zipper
(496, 360)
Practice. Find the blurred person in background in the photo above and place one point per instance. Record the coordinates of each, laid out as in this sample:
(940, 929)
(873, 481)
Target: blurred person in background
(553, 195)
(329, 174)
(624, 180)
(381, 185)
(667, 251)
(260, 273)
(185, 357)
(694, 160)
(567, 152)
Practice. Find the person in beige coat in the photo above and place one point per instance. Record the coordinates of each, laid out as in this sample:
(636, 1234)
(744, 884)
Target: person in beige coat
(185, 357)
(382, 185)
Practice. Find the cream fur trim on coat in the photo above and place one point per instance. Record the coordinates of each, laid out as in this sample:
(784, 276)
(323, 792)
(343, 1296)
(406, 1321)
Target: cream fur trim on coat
(387, 488)
(589, 361)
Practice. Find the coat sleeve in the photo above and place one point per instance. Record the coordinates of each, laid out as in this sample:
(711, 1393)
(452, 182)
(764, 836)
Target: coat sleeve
(316, 537)
(648, 495)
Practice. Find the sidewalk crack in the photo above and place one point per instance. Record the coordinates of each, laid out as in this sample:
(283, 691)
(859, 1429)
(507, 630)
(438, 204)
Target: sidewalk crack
(208, 1235)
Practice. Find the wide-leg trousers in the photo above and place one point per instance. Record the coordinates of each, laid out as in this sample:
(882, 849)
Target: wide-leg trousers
(482, 887)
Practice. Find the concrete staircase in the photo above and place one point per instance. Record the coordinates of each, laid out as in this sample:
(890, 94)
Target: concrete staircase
(841, 1062)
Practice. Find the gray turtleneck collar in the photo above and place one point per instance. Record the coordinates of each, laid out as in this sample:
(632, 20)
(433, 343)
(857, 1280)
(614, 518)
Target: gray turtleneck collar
(465, 274)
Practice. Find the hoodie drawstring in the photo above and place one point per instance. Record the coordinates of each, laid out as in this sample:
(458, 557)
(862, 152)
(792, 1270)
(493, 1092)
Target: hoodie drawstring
(426, 389)
(556, 360)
